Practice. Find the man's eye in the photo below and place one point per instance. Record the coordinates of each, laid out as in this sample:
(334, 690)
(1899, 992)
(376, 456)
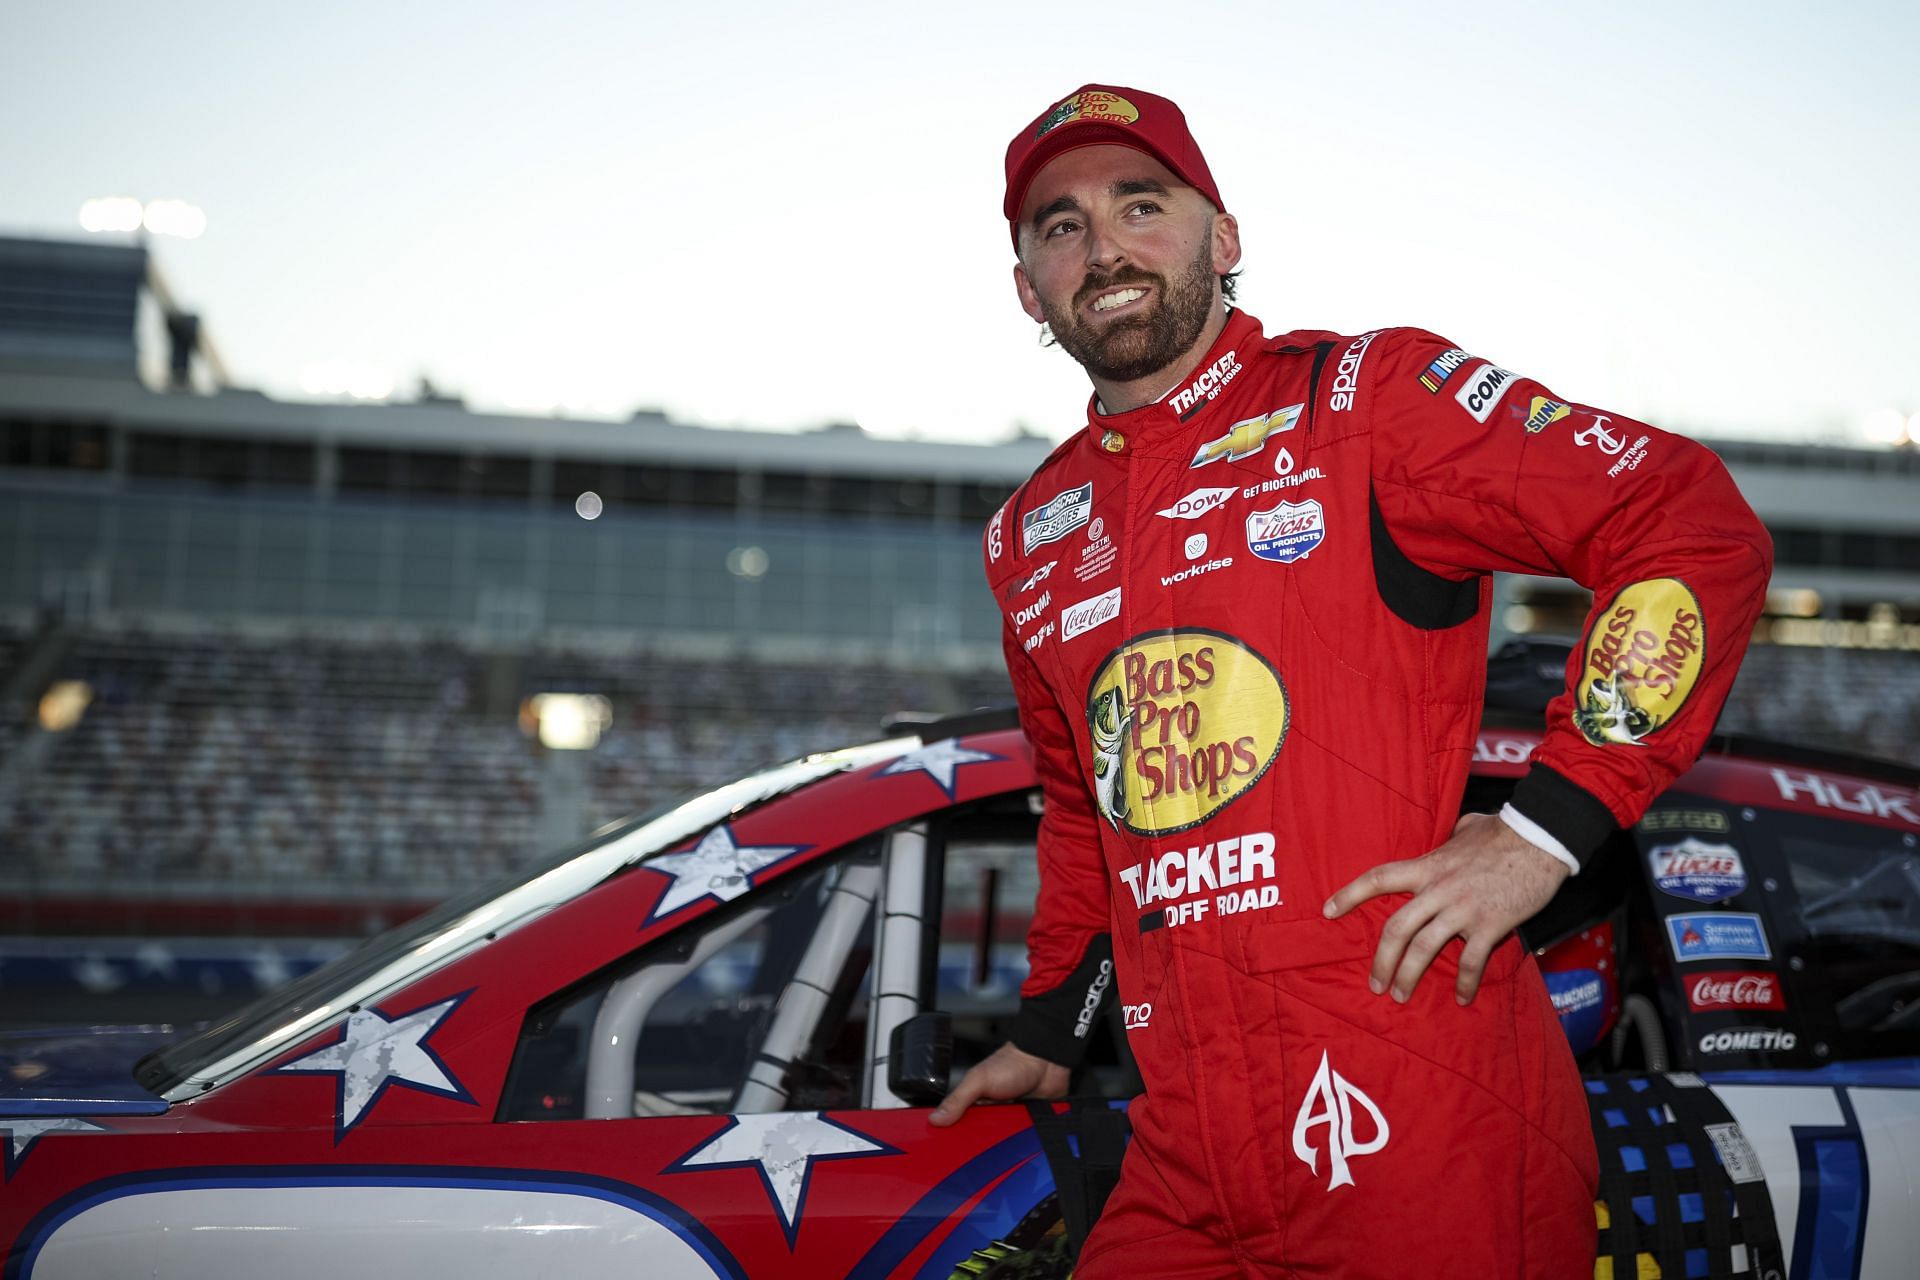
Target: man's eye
(1146, 205)
(1062, 226)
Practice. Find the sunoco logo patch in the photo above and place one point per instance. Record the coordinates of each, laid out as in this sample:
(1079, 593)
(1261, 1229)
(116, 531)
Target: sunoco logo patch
(1643, 658)
(1183, 723)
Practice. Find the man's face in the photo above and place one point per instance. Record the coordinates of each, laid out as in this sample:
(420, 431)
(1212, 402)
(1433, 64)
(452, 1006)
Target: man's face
(1121, 259)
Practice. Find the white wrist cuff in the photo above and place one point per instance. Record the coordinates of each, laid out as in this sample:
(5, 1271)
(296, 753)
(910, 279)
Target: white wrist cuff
(1538, 836)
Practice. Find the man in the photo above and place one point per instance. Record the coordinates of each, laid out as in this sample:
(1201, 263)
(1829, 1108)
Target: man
(1247, 625)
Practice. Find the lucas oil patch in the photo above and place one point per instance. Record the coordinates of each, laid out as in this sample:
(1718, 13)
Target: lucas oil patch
(1287, 532)
(1641, 661)
(1183, 723)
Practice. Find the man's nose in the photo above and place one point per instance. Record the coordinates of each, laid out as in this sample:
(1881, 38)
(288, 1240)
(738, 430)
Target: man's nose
(1104, 252)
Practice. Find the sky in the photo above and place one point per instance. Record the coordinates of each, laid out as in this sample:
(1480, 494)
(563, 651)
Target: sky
(777, 216)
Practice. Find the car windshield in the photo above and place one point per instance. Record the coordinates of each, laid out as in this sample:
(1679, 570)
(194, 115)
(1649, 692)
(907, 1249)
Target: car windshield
(411, 950)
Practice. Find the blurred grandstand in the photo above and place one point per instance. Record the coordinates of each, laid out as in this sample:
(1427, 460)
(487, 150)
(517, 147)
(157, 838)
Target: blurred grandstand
(267, 669)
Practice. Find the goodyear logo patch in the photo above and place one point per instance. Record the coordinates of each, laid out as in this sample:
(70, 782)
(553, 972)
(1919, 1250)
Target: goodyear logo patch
(1184, 722)
(1642, 659)
(1093, 108)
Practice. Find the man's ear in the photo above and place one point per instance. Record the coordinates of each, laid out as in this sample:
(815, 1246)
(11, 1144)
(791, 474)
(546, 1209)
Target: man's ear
(1226, 243)
(1029, 300)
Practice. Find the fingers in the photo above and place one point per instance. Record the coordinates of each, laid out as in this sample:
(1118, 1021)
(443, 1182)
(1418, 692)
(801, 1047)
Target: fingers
(1388, 877)
(1401, 929)
(1473, 965)
(1420, 951)
(955, 1104)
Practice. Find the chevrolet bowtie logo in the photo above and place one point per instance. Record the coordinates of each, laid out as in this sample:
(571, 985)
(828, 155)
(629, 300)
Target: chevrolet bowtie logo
(1247, 438)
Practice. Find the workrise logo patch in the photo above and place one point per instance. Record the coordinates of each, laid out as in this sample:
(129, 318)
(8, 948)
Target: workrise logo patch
(1332, 1103)
(1643, 657)
(1244, 439)
(1183, 722)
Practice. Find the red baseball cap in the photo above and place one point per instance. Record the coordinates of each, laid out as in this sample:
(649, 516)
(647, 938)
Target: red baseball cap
(1100, 113)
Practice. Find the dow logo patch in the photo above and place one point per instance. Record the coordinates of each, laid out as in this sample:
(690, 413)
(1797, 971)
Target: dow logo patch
(1183, 722)
(1643, 657)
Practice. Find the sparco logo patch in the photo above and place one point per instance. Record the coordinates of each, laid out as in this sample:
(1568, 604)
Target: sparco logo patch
(1331, 1102)
(995, 543)
(1698, 871)
(1728, 935)
(1197, 503)
(1749, 1040)
(1088, 614)
(1643, 657)
(1287, 532)
(1090, 1007)
(1183, 722)
(1244, 439)
(1484, 389)
(1740, 989)
(1205, 386)
(1058, 517)
(1346, 376)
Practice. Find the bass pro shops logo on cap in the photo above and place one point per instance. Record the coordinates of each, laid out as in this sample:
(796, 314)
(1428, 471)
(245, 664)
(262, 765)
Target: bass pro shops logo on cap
(1093, 106)
(1183, 723)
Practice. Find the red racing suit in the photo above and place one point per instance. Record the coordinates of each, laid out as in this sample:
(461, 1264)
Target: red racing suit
(1247, 630)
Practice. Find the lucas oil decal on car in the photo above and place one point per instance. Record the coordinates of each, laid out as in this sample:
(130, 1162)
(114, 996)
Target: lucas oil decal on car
(1698, 871)
(1642, 659)
(1183, 722)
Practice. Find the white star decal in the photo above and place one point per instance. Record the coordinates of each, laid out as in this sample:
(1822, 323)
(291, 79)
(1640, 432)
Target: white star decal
(939, 761)
(715, 868)
(375, 1051)
(782, 1147)
(22, 1132)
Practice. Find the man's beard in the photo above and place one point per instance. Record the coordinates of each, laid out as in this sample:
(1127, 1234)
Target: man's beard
(1140, 345)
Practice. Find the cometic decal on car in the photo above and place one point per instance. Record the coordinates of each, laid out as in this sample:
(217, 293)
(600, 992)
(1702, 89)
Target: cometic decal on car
(1183, 722)
(1643, 657)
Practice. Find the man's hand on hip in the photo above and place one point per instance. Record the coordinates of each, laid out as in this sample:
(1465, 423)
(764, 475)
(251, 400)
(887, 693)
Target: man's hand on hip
(1477, 886)
(1007, 1073)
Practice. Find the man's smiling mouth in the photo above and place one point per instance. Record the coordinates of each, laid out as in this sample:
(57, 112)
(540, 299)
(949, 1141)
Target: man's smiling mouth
(1118, 298)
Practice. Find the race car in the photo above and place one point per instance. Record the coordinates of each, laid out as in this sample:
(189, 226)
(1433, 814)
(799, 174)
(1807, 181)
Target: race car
(703, 1043)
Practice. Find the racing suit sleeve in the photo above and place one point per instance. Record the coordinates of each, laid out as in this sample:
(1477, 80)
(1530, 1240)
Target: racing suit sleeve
(1478, 469)
(1069, 943)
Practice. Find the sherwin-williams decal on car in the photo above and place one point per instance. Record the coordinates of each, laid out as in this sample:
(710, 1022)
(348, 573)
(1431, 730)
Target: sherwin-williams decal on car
(1287, 532)
(1728, 935)
(1054, 519)
(1183, 722)
(1698, 871)
(1643, 657)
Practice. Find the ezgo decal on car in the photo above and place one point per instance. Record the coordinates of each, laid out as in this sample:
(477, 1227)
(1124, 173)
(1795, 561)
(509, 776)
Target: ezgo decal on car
(1643, 657)
(1724, 935)
(1183, 722)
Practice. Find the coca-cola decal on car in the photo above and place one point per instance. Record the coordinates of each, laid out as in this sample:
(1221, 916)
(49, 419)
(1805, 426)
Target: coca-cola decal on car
(1734, 989)
(1698, 870)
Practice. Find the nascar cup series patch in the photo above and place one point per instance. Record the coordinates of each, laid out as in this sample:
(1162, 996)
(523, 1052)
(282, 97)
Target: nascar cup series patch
(1183, 723)
(1642, 659)
(1287, 532)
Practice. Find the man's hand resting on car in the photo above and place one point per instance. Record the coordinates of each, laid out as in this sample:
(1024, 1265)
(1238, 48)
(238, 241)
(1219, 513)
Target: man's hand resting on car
(1008, 1073)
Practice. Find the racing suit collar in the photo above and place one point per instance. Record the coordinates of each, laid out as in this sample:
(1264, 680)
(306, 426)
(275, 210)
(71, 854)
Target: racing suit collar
(1189, 399)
